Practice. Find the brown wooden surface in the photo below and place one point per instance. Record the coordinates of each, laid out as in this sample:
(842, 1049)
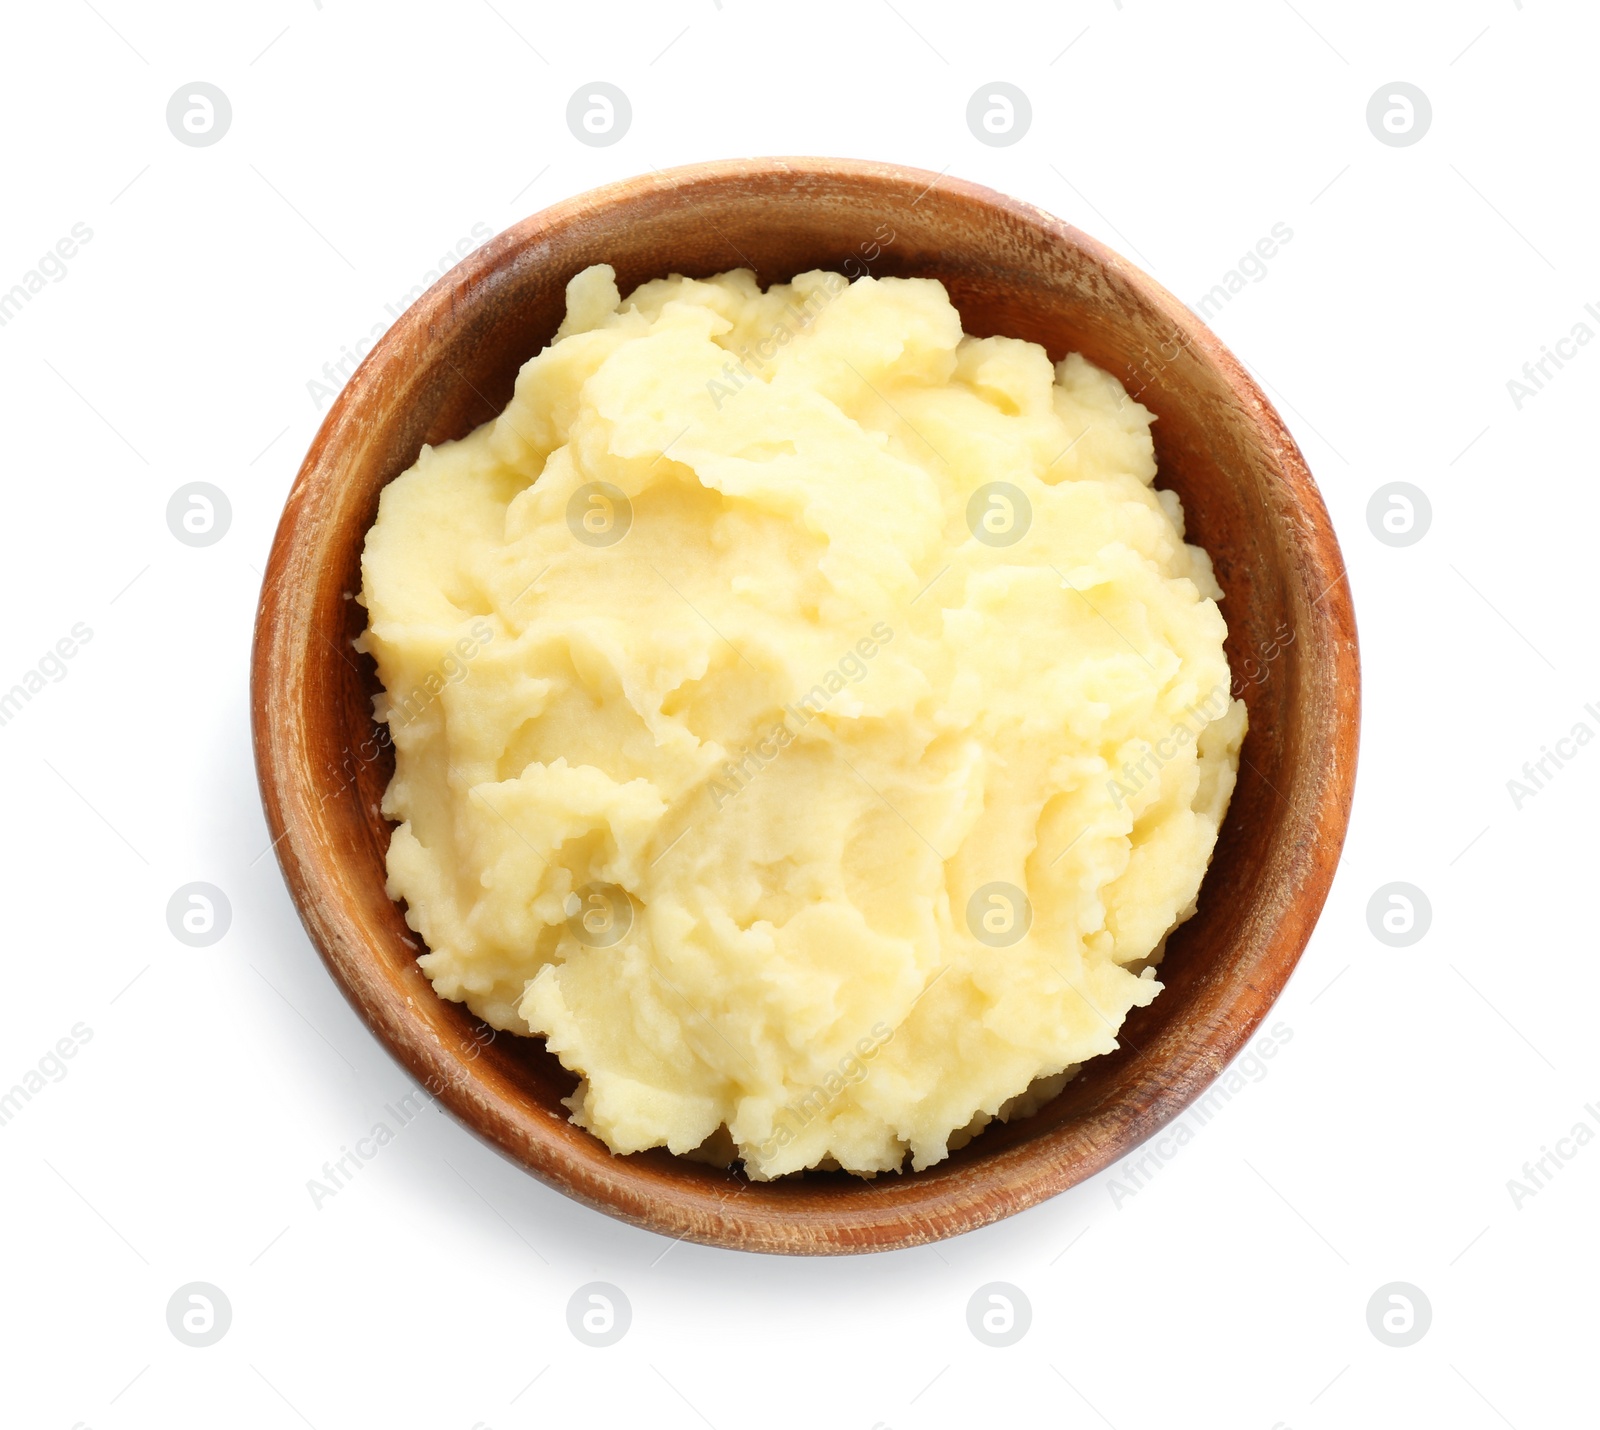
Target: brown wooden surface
(449, 363)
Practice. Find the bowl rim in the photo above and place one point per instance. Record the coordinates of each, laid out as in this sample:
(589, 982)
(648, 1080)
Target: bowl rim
(899, 1217)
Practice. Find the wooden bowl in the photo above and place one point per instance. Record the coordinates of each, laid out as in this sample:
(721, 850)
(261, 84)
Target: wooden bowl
(448, 364)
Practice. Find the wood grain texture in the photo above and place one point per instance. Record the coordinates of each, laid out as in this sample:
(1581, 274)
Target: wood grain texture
(449, 363)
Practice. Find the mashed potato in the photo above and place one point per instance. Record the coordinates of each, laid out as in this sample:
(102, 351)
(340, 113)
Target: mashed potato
(808, 719)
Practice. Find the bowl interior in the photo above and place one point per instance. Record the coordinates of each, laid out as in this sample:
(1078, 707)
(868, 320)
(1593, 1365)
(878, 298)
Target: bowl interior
(449, 364)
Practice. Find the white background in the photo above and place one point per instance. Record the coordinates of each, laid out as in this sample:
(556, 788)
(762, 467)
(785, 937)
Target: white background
(1232, 1291)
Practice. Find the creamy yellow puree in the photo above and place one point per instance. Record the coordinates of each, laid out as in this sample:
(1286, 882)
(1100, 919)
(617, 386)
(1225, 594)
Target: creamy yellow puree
(809, 719)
